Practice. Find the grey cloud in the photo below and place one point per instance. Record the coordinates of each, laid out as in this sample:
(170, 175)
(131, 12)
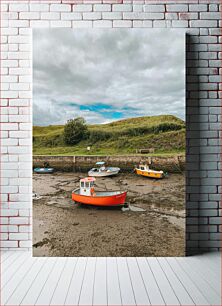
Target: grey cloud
(120, 67)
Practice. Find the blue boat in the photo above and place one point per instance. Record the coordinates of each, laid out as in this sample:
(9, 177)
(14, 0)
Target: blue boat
(44, 170)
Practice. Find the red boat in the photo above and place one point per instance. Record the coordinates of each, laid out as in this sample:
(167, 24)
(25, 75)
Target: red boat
(86, 195)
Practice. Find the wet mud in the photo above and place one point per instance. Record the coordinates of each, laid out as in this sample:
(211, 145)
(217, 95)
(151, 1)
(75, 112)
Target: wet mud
(64, 228)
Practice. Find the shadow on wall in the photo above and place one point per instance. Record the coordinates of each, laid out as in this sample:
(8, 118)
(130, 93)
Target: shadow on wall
(193, 191)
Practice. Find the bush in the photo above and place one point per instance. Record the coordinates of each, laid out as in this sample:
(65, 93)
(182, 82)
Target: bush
(75, 130)
(165, 127)
(48, 141)
(97, 135)
(143, 130)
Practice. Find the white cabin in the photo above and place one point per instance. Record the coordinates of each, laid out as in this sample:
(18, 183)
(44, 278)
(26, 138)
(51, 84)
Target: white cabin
(144, 167)
(87, 186)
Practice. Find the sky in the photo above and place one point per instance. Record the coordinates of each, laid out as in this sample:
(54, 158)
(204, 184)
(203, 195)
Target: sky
(105, 75)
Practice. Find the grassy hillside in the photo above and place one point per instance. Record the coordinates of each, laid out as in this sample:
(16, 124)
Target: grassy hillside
(166, 134)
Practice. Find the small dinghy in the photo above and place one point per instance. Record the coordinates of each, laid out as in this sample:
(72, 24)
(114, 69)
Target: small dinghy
(35, 196)
(101, 170)
(86, 195)
(144, 170)
(44, 170)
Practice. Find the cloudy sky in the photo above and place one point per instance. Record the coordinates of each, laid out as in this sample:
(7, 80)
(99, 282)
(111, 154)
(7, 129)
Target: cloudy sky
(107, 74)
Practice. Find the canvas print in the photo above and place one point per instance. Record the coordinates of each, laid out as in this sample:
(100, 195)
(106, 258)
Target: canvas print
(108, 142)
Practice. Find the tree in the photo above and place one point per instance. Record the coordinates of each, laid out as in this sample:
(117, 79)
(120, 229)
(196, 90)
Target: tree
(75, 130)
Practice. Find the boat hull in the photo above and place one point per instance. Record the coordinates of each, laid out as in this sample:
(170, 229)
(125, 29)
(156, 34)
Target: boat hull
(151, 174)
(44, 170)
(98, 199)
(109, 172)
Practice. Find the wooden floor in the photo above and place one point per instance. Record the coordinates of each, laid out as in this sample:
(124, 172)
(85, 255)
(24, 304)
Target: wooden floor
(26, 280)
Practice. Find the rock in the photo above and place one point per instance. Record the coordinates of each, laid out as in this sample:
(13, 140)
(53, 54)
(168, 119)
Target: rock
(41, 243)
(136, 208)
(125, 209)
(52, 203)
(75, 223)
(142, 215)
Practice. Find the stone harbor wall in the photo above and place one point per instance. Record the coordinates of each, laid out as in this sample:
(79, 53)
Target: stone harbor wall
(125, 162)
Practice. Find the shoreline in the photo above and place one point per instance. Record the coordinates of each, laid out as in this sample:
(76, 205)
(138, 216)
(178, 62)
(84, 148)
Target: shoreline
(62, 228)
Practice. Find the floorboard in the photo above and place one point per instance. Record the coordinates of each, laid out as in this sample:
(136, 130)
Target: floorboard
(61, 290)
(86, 294)
(75, 286)
(140, 291)
(180, 291)
(153, 290)
(28, 280)
(10, 261)
(23, 286)
(208, 292)
(100, 283)
(13, 269)
(126, 289)
(5, 255)
(113, 284)
(168, 292)
(210, 260)
(189, 284)
(45, 296)
(38, 284)
(213, 278)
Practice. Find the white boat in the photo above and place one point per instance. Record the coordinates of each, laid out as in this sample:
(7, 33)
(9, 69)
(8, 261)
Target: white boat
(102, 170)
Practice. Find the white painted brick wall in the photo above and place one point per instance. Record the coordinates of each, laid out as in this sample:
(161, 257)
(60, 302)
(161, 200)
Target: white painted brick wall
(201, 18)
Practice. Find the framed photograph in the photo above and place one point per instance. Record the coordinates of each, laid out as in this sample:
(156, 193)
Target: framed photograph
(109, 143)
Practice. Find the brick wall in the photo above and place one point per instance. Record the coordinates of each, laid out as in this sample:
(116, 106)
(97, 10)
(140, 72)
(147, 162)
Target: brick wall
(201, 18)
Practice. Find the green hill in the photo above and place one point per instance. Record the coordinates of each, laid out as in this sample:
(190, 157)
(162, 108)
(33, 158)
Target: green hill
(165, 134)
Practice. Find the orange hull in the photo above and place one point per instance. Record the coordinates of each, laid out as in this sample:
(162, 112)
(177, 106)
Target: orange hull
(108, 200)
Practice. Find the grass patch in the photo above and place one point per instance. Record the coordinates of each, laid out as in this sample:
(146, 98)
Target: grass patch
(165, 134)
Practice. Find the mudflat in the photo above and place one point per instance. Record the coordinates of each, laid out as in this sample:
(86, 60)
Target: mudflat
(64, 228)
